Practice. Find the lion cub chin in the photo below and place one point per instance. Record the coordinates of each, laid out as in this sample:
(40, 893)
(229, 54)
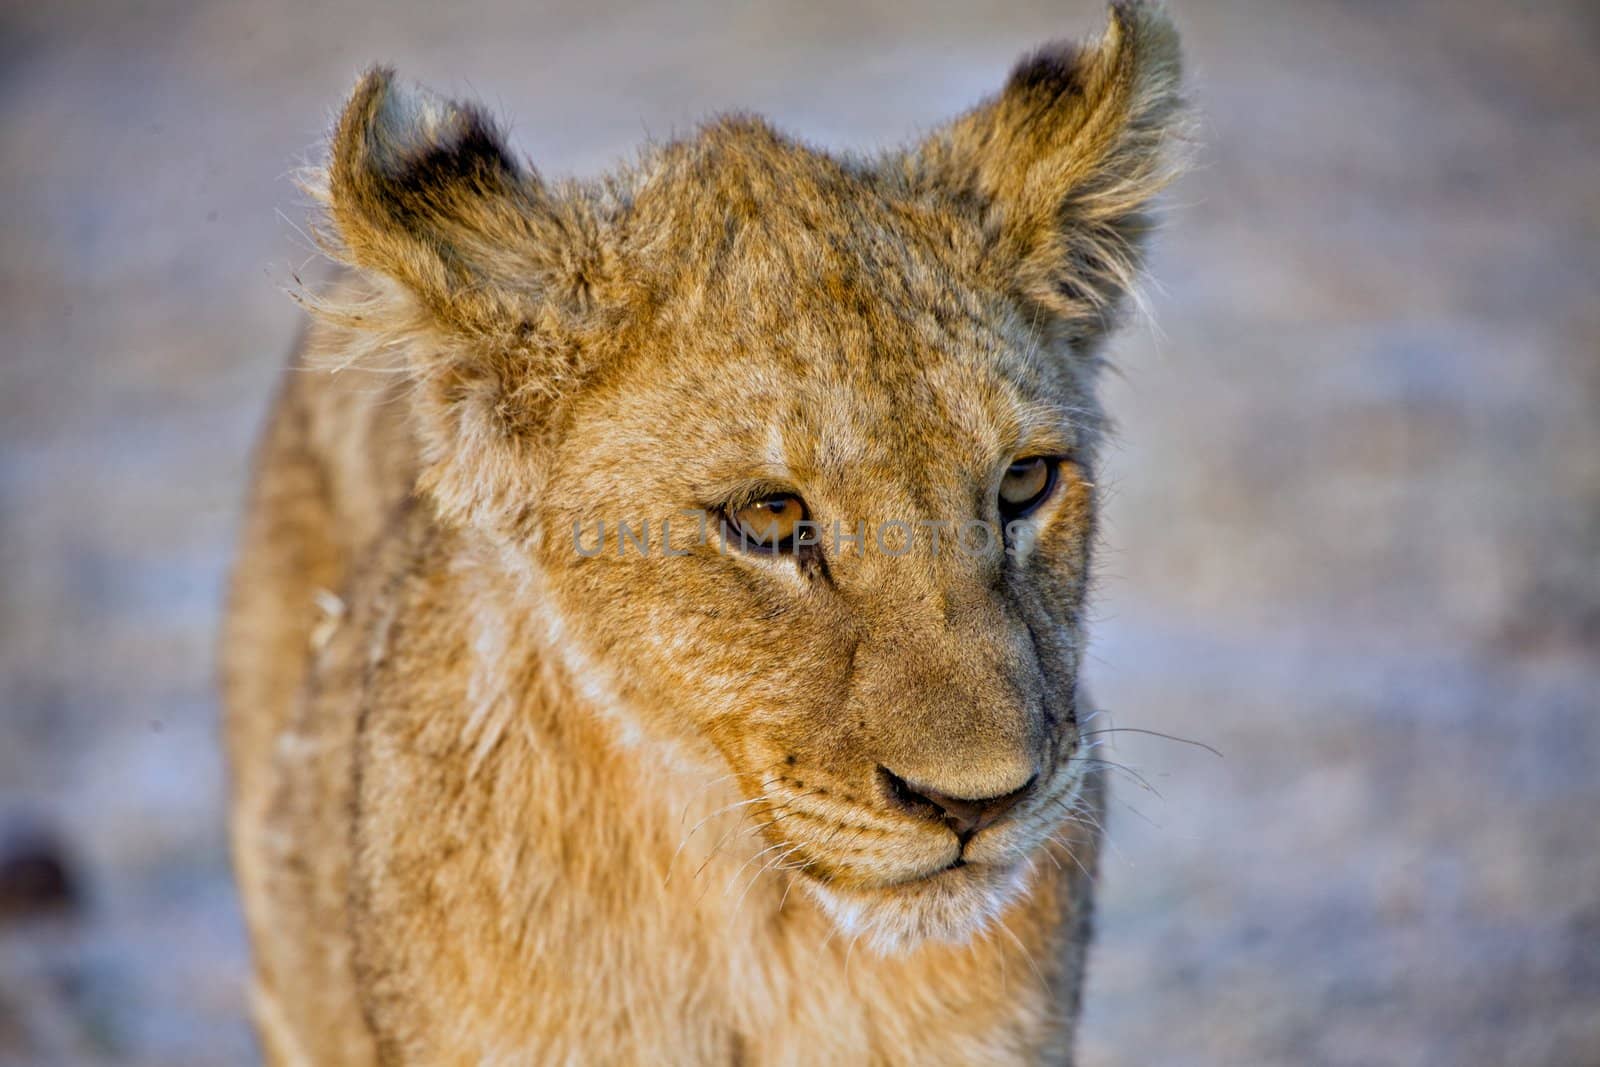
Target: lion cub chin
(657, 625)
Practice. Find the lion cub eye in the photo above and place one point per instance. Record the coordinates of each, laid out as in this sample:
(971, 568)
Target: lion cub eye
(767, 525)
(1026, 484)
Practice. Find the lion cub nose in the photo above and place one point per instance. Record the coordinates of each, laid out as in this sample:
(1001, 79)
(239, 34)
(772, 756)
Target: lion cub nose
(965, 815)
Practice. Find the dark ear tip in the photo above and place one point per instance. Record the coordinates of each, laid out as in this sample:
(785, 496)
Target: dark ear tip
(1053, 69)
(1140, 32)
(391, 129)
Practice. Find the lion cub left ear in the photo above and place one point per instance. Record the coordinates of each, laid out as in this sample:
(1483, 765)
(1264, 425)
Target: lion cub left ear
(1063, 164)
(494, 278)
(424, 189)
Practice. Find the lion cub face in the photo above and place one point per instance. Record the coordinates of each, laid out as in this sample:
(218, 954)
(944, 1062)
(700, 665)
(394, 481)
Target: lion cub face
(801, 450)
(843, 535)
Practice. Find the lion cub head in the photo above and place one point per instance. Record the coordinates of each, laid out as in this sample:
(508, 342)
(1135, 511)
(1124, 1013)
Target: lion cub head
(801, 449)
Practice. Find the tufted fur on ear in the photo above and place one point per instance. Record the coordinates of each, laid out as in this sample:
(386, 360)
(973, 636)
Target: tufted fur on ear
(1062, 166)
(479, 280)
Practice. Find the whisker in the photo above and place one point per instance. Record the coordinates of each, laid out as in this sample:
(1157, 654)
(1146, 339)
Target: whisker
(848, 981)
(1044, 986)
(683, 817)
(672, 864)
(1147, 820)
(833, 928)
(1074, 812)
(740, 870)
(1155, 733)
(777, 805)
(739, 906)
(1124, 768)
(742, 829)
(1071, 855)
(791, 882)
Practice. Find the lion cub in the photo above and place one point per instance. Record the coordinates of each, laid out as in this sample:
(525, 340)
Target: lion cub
(657, 626)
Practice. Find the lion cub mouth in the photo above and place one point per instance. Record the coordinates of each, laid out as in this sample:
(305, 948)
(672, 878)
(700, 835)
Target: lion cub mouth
(951, 904)
(917, 890)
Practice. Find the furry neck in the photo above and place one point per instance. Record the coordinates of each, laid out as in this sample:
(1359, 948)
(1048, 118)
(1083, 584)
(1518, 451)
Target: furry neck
(669, 806)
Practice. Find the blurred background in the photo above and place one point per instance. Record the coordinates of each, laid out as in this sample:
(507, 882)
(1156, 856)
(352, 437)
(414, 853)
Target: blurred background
(1354, 522)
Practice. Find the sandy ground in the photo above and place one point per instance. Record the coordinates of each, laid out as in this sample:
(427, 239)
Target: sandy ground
(1354, 535)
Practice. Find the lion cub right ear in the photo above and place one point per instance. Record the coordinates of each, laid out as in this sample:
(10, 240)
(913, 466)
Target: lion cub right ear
(494, 278)
(1062, 166)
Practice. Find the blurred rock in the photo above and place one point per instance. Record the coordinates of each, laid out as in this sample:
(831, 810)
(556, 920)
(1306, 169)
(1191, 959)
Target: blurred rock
(36, 877)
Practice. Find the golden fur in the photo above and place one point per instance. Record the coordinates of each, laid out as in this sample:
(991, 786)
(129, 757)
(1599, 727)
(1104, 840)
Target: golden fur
(497, 800)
